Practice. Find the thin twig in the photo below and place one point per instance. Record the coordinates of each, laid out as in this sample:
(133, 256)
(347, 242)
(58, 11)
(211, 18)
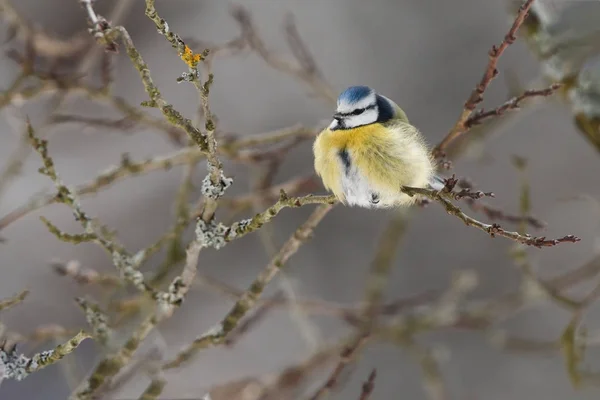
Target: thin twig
(346, 356)
(250, 297)
(43, 43)
(490, 73)
(305, 70)
(18, 366)
(5, 304)
(368, 386)
(156, 99)
(381, 268)
(495, 214)
(493, 229)
(292, 378)
(481, 115)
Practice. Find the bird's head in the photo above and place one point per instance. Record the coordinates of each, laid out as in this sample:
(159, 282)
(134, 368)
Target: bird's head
(358, 106)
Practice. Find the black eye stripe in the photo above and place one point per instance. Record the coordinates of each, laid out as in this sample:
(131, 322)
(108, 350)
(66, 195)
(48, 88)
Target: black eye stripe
(358, 111)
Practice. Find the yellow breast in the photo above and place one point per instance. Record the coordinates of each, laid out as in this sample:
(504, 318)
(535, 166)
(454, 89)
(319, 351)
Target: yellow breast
(387, 156)
(329, 144)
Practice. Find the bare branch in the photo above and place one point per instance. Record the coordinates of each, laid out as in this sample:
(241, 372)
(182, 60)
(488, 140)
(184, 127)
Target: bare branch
(490, 73)
(5, 304)
(513, 104)
(346, 356)
(250, 297)
(306, 69)
(493, 229)
(368, 386)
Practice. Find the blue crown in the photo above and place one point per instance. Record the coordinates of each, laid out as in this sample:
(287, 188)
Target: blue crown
(354, 94)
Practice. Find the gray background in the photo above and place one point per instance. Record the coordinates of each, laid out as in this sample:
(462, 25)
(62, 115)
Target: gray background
(426, 55)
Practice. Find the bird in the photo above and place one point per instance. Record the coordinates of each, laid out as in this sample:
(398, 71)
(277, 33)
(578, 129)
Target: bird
(370, 151)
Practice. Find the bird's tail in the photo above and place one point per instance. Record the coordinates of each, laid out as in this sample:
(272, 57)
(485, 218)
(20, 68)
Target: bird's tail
(437, 182)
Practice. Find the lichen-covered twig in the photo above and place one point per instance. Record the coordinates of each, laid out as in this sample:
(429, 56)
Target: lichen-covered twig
(125, 264)
(110, 366)
(72, 87)
(184, 51)
(97, 319)
(85, 275)
(216, 183)
(250, 297)
(177, 288)
(177, 291)
(293, 187)
(107, 369)
(175, 253)
(217, 235)
(156, 100)
(5, 304)
(425, 312)
(126, 168)
(18, 366)
(108, 36)
(100, 26)
(189, 155)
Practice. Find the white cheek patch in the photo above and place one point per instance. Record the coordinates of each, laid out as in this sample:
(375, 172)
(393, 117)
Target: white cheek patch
(366, 118)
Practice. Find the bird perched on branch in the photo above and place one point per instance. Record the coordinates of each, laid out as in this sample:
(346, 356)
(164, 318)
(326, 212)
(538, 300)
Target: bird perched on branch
(370, 151)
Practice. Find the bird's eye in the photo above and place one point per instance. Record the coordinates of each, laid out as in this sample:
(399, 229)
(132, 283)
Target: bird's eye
(358, 111)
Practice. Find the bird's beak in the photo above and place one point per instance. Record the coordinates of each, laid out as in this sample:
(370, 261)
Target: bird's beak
(338, 122)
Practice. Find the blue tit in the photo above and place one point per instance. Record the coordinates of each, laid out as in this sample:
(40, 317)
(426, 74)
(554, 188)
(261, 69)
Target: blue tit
(370, 151)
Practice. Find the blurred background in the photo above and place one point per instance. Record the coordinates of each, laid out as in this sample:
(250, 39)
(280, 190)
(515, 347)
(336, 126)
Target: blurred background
(427, 55)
